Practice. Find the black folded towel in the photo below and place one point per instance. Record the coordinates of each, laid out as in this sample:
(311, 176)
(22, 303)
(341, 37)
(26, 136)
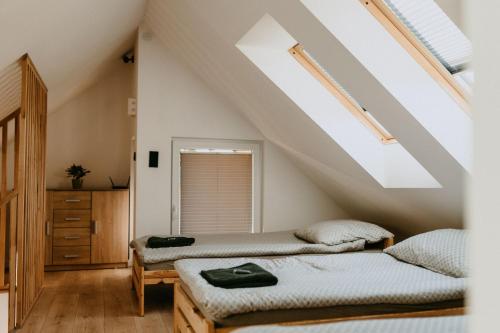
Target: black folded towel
(244, 276)
(156, 242)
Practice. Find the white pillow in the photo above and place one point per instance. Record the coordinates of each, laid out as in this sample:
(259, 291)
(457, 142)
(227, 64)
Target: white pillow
(441, 251)
(341, 231)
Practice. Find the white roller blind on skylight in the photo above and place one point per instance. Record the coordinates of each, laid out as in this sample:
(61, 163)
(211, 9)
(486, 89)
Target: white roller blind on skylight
(435, 30)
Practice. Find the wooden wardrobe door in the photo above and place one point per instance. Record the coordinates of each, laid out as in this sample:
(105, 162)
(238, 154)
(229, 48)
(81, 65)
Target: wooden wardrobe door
(109, 240)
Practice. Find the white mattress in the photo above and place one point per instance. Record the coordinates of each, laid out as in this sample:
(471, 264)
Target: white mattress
(314, 281)
(454, 324)
(240, 245)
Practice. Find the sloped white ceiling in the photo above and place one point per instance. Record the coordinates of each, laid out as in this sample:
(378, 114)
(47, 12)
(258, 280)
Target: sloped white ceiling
(71, 42)
(204, 34)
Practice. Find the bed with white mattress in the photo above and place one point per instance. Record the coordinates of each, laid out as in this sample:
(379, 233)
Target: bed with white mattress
(156, 265)
(312, 288)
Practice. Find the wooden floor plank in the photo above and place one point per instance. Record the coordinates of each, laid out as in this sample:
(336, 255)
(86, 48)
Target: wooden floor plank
(119, 315)
(98, 301)
(90, 309)
(61, 315)
(38, 315)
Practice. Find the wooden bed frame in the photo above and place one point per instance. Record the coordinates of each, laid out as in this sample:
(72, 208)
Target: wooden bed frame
(189, 319)
(142, 277)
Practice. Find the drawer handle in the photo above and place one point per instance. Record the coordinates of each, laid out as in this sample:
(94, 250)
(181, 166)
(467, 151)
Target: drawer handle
(94, 227)
(71, 256)
(72, 219)
(72, 200)
(71, 237)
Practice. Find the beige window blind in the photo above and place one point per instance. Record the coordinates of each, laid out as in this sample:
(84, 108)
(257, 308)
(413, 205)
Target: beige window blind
(216, 193)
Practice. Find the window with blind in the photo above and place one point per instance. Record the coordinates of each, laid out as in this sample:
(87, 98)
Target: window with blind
(216, 192)
(430, 24)
(319, 73)
(437, 32)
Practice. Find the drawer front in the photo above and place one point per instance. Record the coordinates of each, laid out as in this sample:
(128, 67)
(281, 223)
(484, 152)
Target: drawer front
(71, 236)
(71, 255)
(72, 218)
(71, 200)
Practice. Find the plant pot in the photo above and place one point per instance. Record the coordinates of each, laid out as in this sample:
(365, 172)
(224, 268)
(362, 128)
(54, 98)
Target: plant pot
(77, 183)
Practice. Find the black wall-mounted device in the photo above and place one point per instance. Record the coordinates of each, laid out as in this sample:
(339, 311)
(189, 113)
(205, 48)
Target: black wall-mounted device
(153, 159)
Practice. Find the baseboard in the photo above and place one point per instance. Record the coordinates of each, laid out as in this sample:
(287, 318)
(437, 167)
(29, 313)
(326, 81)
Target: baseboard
(52, 268)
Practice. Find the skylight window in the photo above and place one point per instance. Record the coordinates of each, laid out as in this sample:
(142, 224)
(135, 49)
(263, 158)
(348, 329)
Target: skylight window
(277, 54)
(430, 37)
(439, 34)
(435, 30)
(315, 69)
(401, 63)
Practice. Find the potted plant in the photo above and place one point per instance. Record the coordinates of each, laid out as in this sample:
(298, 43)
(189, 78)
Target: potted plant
(76, 173)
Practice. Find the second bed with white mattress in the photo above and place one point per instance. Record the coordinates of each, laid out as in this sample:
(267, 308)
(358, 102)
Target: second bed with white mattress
(313, 281)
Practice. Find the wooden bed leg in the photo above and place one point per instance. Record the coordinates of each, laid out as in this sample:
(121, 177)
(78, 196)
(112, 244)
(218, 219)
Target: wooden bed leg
(141, 293)
(141, 305)
(176, 320)
(176, 311)
(138, 284)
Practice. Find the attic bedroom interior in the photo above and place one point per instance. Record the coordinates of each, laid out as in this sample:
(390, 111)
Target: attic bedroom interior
(249, 166)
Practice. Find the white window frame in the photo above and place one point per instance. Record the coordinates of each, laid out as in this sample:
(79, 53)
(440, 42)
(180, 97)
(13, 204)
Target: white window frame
(255, 147)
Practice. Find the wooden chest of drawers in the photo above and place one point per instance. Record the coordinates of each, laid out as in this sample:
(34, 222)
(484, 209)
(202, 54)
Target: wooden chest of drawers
(86, 228)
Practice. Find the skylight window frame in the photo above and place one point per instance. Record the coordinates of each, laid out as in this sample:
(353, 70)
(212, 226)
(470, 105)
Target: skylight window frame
(310, 65)
(406, 38)
(432, 26)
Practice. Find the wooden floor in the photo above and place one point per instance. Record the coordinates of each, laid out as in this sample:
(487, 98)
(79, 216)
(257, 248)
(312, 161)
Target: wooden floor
(98, 301)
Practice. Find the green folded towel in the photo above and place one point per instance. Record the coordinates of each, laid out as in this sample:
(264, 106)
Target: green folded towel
(156, 242)
(244, 276)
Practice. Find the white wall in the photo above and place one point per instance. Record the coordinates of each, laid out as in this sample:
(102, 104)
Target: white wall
(484, 200)
(291, 200)
(174, 102)
(4, 312)
(93, 129)
(204, 34)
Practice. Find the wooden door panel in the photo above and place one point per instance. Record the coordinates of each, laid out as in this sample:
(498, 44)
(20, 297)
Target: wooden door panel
(109, 240)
